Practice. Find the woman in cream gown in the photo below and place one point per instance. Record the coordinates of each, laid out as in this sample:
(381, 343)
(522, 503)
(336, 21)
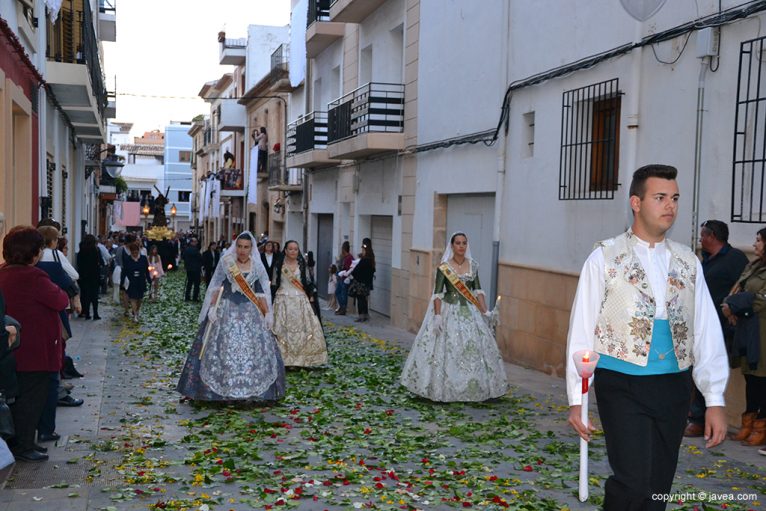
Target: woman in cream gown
(296, 325)
(455, 356)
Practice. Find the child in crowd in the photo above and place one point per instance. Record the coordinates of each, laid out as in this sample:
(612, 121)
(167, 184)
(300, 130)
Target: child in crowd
(332, 283)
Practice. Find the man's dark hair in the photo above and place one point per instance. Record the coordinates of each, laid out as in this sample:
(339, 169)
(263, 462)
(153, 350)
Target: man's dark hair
(718, 229)
(22, 244)
(638, 184)
(49, 222)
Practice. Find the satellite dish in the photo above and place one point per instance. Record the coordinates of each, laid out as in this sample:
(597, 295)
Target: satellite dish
(642, 10)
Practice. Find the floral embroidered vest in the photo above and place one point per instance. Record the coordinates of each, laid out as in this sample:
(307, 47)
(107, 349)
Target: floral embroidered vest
(626, 318)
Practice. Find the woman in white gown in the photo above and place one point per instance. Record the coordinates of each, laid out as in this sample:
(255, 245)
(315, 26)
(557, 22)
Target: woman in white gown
(235, 356)
(455, 356)
(296, 322)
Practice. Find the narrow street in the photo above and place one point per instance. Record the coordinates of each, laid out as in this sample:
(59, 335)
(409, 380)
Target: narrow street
(345, 437)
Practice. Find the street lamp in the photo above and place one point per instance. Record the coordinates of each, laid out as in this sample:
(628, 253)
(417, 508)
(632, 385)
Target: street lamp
(112, 165)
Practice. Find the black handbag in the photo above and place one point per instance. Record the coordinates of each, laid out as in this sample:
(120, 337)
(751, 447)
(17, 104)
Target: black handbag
(357, 289)
(7, 430)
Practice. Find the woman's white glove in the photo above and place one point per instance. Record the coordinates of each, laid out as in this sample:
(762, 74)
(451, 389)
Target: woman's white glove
(437, 324)
(268, 320)
(492, 317)
(211, 314)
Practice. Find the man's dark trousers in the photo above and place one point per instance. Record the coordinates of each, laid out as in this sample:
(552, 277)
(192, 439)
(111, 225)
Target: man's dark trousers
(192, 280)
(643, 419)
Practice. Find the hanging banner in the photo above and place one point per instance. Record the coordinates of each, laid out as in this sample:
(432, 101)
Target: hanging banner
(54, 6)
(252, 186)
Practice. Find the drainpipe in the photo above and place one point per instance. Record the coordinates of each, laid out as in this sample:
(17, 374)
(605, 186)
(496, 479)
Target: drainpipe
(698, 151)
(502, 150)
(632, 119)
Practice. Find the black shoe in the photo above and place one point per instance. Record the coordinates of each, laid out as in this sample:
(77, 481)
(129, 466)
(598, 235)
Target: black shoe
(31, 456)
(96, 317)
(40, 448)
(70, 371)
(69, 401)
(45, 437)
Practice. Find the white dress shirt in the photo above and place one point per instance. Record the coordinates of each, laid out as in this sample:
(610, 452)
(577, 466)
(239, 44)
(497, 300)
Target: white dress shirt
(711, 365)
(68, 268)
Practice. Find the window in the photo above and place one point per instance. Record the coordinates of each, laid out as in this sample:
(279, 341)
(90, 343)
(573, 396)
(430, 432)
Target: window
(184, 156)
(184, 196)
(590, 142)
(749, 160)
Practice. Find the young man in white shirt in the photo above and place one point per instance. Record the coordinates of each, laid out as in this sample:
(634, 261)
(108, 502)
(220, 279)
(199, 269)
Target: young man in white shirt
(643, 305)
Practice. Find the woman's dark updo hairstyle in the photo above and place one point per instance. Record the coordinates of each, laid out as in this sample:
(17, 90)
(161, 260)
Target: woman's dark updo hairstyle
(369, 253)
(308, 286)
(452, 239)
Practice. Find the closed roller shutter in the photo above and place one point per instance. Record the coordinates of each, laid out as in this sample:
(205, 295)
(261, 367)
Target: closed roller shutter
(382, 230)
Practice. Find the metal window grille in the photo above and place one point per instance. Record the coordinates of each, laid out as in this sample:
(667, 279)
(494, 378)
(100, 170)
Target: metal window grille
(590, 142)
(749, 158)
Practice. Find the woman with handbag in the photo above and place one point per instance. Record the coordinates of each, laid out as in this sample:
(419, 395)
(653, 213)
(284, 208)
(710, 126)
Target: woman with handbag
(360, 287)
(235, 356)
(454, 356)
(296, 325)
(35, 302)
(745, 308)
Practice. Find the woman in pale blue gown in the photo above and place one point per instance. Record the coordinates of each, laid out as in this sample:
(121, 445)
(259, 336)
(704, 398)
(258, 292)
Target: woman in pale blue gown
(455, 356)
(235, 355)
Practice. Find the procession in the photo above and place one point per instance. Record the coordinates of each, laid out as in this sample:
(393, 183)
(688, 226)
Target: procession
(382, 254)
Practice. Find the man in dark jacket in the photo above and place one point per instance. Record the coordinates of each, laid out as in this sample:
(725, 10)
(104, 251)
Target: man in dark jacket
(193, 264)
(722, 265)
(210, 259)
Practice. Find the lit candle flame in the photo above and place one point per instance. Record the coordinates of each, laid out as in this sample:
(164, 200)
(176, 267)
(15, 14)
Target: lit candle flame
(586, 357)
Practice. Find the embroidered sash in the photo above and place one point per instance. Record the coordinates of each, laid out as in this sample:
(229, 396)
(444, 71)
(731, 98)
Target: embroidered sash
(459, 285)
(295, 282)
(246, 289)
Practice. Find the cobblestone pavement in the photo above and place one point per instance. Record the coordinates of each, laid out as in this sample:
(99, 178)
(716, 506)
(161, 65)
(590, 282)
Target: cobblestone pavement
(345, 437)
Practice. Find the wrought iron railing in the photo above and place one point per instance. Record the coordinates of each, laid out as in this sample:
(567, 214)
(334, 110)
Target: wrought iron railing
(279, 63)
(235, 43)
(73, 40)
(374, 107)
(319, 10)
(307, 132)
(279, 176)
(107, 6)
(590, 142)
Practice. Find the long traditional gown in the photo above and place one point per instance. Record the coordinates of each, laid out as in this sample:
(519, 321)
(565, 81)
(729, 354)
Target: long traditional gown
(241, 360)
(462, 362)
(298, 330)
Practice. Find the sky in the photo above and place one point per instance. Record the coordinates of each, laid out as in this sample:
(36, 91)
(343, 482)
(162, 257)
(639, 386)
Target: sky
(170, 48)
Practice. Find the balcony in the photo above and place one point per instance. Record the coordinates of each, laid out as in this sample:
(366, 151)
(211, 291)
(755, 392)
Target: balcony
(107, 20)
(366, 121)
(232, 52)
(110, 112)
(321, 32)
(353, 11)
(282, 179)
(307, 142)
(232, 116)
(279, 76)
(74, 70)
